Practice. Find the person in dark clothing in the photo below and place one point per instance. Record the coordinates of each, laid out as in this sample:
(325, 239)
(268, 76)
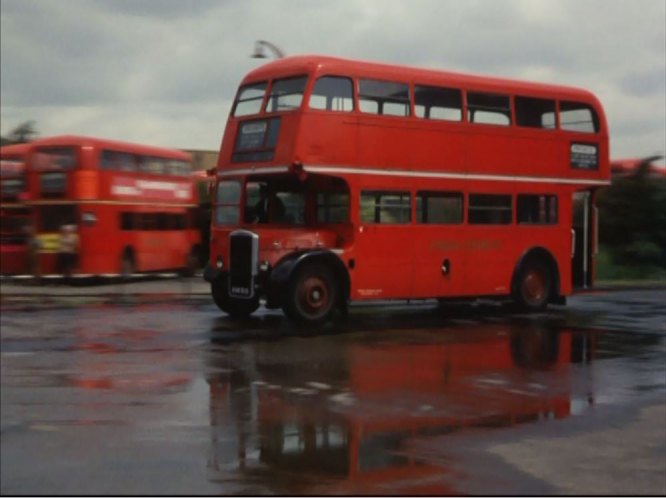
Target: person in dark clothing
(269, 208)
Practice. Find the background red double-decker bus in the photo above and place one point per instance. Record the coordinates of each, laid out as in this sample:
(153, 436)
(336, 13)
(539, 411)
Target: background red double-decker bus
(130, 204)
(14, 211)
(344, 180)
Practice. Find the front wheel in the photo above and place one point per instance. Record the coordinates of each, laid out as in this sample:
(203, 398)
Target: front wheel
(312, 295)
(236, 308)
(534, 286)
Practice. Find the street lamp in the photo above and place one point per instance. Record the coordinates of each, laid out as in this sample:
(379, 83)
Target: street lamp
(260, 47)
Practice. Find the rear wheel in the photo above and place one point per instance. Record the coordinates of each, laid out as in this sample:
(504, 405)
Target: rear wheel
(312, 295)
(534, 286)
(235, 308)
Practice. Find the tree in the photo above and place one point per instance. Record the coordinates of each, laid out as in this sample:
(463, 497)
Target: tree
(25, 132)
(632, 221)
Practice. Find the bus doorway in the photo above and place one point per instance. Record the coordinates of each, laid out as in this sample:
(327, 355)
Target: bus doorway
(583, 247)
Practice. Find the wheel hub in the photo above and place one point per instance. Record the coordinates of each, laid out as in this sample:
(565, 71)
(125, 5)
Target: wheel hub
(534, 286)
(314, 294)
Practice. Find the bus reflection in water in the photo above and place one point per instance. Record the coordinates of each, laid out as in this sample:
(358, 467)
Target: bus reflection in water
(402, 183)
(356, 435)
(130, 204)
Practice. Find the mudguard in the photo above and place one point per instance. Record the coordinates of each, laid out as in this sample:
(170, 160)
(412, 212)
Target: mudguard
(211, 274)
(547, 257)
(283, 271)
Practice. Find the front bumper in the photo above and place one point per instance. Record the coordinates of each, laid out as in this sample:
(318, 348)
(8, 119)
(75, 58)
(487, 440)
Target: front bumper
(211, 274)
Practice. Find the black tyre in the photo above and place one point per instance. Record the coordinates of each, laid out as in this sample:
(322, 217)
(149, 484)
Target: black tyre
(534, 285)
(236, 308)
(312, 295)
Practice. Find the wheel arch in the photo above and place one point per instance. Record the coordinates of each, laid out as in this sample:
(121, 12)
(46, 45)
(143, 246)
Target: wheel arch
(287, 267)
(542, 254)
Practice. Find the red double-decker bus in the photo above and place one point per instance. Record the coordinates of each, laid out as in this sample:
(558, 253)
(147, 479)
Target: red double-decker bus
(342, 180)
(130, 204)
(14, 211)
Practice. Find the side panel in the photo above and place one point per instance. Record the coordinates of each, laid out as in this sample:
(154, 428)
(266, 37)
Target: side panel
(439, 260)
(383, 262)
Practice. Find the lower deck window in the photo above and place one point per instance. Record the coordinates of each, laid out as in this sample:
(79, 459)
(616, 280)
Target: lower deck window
(490, 209)
(52, 218)
(537, 209)
(386, 207)
(439, 207)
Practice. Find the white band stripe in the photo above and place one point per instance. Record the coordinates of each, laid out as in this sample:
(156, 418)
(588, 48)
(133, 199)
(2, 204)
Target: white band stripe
(416, 174)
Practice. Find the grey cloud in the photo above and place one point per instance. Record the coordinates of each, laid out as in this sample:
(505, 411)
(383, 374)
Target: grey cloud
(645, 83)
(156, 58)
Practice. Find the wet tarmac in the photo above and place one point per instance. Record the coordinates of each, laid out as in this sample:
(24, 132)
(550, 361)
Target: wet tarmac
(142, 394)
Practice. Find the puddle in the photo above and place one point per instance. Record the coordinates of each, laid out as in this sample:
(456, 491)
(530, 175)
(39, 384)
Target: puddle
(384, 392)
(372, 405)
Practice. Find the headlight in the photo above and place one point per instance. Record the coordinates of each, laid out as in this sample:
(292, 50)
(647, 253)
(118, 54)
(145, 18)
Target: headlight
(89, 219)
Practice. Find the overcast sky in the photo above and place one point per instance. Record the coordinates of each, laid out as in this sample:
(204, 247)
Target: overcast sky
(164, 72)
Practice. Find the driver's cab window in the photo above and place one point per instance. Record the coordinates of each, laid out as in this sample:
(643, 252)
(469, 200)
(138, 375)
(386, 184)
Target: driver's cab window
(272, 203)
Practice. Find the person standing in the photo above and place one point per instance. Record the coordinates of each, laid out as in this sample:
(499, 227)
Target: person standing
(69, 250)
(34, 246)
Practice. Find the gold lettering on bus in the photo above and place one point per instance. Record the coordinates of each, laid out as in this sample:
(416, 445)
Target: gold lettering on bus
(445, 245)
(483, 245)
(470, 245)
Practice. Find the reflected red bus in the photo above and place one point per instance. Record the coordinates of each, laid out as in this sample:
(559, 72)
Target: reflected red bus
(131, 204)
(14, 211)
(343, 180)
(358, 427)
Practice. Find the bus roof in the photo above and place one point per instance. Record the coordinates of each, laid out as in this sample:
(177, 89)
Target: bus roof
(14, 150)
(307, 64)
(77, 140)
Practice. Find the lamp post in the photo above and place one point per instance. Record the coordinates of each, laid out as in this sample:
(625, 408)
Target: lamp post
(260, 47)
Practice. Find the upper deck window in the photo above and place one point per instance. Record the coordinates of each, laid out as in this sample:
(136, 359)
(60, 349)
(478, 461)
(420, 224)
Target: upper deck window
(249, 99)
(535, 113)
(575, 116)
(286, 94)
(55, 158)
(119, 161)
(125, 161)
(438, 103)
(487, 108)
(383, 97)
(332, 93)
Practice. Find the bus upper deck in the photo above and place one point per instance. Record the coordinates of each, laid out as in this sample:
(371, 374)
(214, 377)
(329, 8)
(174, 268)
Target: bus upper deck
(332, 115)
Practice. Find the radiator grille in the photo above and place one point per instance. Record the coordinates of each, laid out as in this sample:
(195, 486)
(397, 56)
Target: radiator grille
(243, 255)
